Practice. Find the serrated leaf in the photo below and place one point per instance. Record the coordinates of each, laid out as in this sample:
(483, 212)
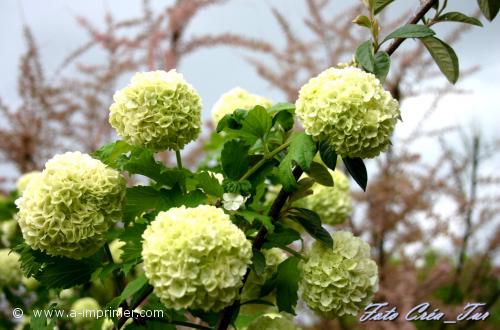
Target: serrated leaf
(56, 272)
(410, 31)
(381, 4)
(455, 16)
(382, 65)
(287, 284)
(301, 152)
(444, 56)
(63, 273)
(320, 174)
(357, 169)
(489, 8)
(234, 158)
(364, 55)
(258, 122)
(311, 222)
(131, 256)
(362, 20)
(258, 262)
(328, 154)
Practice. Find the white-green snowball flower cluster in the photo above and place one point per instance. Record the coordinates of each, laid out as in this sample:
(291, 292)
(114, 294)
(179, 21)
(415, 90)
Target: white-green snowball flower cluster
(158, 110)
(24, 180)
(332, 204)
(350, 109)
(237, 98)
(10, 269)
(195, 257)
(68, 209)
(341, 281)
(273, 321)
(81, 310)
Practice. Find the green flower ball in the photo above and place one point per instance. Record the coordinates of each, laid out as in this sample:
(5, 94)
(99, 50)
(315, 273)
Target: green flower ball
(10, 269)
(195, 257)
(350, 109)
(273, 321)
(157, 110)
(237, 98)
(341, 281)
(68, 209)
(332, 204)
(81, 310)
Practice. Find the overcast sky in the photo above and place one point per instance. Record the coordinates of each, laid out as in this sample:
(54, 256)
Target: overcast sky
(215, 71)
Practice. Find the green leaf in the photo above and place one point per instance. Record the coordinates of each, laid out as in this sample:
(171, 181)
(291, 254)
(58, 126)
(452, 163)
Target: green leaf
(142, 199)
(454, 16)
(56, 272)
(234, 158)
(265, 220)
(320, 174)
(444, 56)
(489, 8)
(31, 261)
(63, 273)
(301, 152)
(268, 286)
(209, 184)
(290, 107)
(381, 4)
(258, 262)
(131, 288)
(258, 122)
(285, 119)
(134, 286)
(41, 322)
(382, 65)
(364, 56)
(363, 20)
(303, 189)
(131, 256)
(109, 153)
(312, 224)
(328, 154)
(287, 284)
(282, 236)
(410, 31)
(357, 169)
